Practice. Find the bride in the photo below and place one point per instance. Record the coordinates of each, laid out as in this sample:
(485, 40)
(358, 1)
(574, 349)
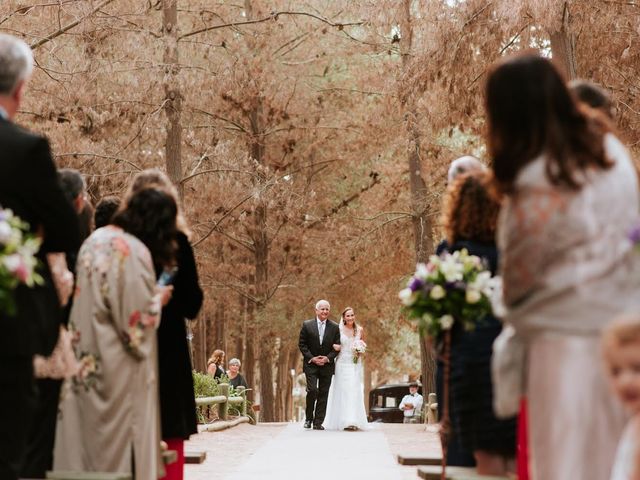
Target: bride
(345, 407)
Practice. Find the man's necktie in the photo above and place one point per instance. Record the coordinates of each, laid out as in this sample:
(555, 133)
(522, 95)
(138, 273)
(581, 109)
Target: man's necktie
(321, 332)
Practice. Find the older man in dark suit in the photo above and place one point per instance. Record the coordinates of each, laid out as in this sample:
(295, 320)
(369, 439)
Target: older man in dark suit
(317, 337)
(29, 187)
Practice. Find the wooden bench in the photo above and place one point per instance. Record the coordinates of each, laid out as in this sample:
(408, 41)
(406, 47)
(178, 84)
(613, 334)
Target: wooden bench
(419, 459)
(194, 457)
(454, 473)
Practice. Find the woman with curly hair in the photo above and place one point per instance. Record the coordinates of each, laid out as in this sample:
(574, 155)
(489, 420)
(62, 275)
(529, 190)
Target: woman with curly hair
(470, 216)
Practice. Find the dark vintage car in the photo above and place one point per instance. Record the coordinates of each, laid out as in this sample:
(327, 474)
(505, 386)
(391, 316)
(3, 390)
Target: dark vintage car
(384, 402)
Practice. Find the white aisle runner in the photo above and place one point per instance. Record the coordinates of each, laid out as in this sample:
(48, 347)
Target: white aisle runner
(302, 454)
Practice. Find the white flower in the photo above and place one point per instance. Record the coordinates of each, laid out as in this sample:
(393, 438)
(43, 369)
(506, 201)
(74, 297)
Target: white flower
(406, 296)
(446, 322)
(12, 262)
(437, 292)
(427, 318)
(473, 296)
(5, 233)
(451, 269)
(422, 271)
(482, 282)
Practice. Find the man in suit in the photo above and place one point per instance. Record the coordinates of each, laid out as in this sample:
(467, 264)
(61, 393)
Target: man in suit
(317, 337)
(29, 187)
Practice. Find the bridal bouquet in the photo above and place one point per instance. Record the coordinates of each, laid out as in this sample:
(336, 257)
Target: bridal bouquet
(450, 288)
(18, 248)
(358, 348)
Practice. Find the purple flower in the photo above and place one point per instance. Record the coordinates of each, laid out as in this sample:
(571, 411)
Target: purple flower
(416, 284)
(458, 285)
(634, 235)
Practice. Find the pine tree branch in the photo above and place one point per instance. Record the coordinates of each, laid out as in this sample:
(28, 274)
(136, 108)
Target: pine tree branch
(69, 26)
(272, 16)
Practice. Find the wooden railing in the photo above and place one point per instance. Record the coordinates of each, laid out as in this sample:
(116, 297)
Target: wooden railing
(223, 401)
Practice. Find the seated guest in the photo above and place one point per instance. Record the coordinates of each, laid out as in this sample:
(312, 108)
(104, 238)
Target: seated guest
(593, 95)
(235, 377)
(109, 418)
(214, 364)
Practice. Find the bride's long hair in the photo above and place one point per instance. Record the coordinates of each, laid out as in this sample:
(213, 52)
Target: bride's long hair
(355, 325)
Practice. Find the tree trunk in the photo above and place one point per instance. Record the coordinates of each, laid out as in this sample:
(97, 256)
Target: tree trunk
(249, 351)
(422, 227)
(173, 98)
(283, 381)
(563, 46)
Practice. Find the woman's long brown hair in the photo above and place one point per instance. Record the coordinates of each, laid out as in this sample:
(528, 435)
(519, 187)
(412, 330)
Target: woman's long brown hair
(530, 112)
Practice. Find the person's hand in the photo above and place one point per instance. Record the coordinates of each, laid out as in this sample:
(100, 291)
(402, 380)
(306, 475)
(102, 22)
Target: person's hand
(165, 293)
(408, 406)
(325, 360)
(316, 361)
(337, 347)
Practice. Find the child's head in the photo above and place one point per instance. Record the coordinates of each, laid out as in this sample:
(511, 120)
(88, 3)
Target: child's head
(621, 348)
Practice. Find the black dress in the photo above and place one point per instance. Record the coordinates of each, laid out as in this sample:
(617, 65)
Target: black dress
(239, 381)
(177, 398)
(474, 425)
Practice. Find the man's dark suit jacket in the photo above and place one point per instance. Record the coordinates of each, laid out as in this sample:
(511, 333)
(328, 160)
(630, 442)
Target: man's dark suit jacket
(309, 344)
(29, 187)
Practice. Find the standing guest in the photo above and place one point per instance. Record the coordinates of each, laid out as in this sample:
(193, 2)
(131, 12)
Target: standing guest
(105, 210)
(215, 364)
(592, 95)
(411, 405)
(457, 454)
(317, 338)
(51, 371)
(235, 377)
(571, 197)
(177, 397)
(470, 216)
(28, 186)
(462, 165)
(109, 418)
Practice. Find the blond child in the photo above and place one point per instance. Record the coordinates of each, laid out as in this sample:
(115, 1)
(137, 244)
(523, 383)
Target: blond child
(621, 349)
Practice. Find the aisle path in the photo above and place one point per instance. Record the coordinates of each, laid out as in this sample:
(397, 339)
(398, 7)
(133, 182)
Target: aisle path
(287, 451)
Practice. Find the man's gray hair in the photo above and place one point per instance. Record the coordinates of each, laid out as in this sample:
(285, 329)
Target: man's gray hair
(16, 63)
(234, 361)
(320, 302)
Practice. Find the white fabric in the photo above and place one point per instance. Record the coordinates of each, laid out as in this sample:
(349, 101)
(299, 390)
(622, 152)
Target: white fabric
(321, 327)
(415, 400)
(575, 422)
(345, 407)
(566, 260)
(626, 453)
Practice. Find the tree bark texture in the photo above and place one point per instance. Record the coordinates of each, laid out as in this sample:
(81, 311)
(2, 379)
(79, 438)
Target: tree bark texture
(422, 227)
(173, 97)
(563, 47)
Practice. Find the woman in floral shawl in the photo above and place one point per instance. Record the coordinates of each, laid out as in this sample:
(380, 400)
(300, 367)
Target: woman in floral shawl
(110, 418)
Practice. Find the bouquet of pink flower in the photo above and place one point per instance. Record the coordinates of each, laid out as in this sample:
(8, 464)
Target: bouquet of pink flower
(455, 287)
(18, 261)
(358, 348)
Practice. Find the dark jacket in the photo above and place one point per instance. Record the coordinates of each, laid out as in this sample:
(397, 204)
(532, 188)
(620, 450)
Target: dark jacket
(29, 187)
(177, 399)
(309, 344)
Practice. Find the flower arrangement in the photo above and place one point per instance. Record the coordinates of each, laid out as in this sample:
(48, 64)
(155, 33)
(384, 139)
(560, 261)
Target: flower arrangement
(450, 288)
(18, 262)
(358, 348)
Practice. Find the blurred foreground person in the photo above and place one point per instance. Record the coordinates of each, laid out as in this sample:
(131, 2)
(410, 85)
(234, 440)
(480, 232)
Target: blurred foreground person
(177, 397)
(109, 419)
(29, 187)
(571, 197)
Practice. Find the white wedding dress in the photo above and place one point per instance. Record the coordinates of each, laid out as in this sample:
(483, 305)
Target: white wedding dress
(345, 406)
